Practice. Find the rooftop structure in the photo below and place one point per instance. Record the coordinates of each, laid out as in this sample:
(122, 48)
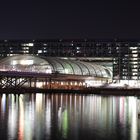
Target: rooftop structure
(32, 63)
(120, 55)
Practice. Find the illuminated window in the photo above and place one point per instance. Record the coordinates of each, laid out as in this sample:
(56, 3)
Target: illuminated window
(134, 77)
(28, 44)
(39, 51)
(134, 51)
(134, 58)
(25, 48)
(135, 55)
(133, 48)
(26, 51)
(134, 73)
(135, 70)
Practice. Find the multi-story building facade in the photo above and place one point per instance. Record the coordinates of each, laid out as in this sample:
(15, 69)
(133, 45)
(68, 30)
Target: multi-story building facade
(123, 55)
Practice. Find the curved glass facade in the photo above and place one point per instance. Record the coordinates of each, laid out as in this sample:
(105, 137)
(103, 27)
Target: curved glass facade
(51, 64)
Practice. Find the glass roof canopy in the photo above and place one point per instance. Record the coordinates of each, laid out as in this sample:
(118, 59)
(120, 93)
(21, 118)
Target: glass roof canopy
(52, 64)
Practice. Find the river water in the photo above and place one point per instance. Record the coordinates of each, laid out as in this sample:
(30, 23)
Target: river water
(69, 116)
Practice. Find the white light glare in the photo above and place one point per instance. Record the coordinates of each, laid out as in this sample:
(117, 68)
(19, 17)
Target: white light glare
(26, 62)
(14, 62)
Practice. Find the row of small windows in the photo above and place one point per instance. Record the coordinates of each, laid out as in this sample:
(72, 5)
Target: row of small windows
(130, 78)
(29, 48)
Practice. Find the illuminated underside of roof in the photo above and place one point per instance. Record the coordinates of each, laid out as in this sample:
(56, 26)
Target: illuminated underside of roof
(53, 64)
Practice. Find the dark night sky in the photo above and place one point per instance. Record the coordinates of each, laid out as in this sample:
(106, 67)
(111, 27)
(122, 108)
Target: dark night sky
(69, 19)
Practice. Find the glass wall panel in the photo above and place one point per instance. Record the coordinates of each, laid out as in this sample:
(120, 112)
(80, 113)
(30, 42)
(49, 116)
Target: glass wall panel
(56, 65)
(84, 69)
(97, 69)
(90, 68)
(76, 67)
(67, 67)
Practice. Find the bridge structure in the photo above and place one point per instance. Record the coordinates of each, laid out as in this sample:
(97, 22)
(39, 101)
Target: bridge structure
(15, 80)
(32, 72)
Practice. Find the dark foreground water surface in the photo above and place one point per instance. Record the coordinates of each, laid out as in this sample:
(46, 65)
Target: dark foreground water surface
(69, 116)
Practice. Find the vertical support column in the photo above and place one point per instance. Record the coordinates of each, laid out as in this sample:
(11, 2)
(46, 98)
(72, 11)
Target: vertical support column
(15, 84)
(30, 82)
(1, 82)
(35, 80)
(50, 82)
(46, 83)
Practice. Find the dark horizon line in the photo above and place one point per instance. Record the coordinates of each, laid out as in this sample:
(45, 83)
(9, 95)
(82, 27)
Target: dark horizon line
(73, 40)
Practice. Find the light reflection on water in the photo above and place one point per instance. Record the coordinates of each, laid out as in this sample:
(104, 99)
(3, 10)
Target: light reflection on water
(69, 116)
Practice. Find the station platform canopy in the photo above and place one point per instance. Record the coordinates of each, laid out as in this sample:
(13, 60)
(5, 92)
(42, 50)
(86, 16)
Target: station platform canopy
(33, 63)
